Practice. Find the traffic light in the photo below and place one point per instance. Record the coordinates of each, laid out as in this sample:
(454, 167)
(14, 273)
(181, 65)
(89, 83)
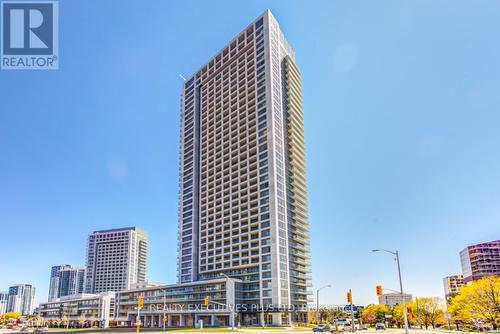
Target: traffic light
(349, 297)
(140, 302)
(205, 300)
(378, 288)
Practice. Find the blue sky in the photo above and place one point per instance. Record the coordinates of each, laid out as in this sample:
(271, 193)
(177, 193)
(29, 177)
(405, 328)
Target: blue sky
(402, 117)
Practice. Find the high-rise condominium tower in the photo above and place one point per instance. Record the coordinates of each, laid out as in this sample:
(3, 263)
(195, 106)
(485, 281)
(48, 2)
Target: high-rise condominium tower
(4, 299)
(115, 259)
(242, 210)
(66, 280)
(21, 299)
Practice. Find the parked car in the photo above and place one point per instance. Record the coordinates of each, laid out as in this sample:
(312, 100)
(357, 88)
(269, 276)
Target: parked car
(323, 328)
(41, 330)
(379, 325)
(348, 327)
(363, 328)
(339, 326)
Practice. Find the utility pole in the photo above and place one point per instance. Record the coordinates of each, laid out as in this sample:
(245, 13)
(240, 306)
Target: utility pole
(352, 313)
(140, 304)
(164, 306)
(317, 302)
(418, 312)
(317, 307)
(138, 321)
(405, 315)
(67, 317)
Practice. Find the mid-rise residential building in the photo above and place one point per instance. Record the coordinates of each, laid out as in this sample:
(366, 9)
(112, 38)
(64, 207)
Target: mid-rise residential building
(116, 258)
(21, 299)
(66, 280)
(83, 310)
(480, 260)
(452, 284)
(182, 304)
(4, 298)
(243, 205)
(393, 299)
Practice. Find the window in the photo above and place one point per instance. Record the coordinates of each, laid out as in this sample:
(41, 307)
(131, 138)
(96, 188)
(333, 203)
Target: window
(259, 23)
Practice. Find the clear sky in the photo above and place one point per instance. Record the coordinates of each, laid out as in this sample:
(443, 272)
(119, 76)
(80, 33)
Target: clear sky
(402, 120)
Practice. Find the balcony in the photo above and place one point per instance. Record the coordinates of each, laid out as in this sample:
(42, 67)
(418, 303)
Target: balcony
(300, 239)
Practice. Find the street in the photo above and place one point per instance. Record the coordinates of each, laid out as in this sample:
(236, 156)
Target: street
(245, 330)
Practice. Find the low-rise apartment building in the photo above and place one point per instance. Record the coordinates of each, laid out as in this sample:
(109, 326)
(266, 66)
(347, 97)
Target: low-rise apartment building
(83, 310)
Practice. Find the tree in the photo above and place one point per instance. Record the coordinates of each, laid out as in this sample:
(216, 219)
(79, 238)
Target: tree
(92, 320)
(81, 320)
(65, 320)
(334, 314)
(12, 315)
(359, 312)
(368, 317)
(478, 302)
(429, 312)
(397, 315)
(459, 315)
(33, 319)
(323, 315)
(375, 313)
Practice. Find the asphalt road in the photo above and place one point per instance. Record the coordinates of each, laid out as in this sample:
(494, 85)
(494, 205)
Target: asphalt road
(248, 331)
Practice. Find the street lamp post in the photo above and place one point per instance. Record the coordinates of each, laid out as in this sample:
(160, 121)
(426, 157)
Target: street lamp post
(164, 308)
(396, 253)
(317, 301)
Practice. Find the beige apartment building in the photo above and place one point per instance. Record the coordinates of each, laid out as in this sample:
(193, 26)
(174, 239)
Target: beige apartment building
(452, 285)
(116, 259)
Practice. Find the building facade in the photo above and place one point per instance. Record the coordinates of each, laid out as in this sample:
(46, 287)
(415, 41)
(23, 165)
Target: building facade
(4, 298)
(242, 206)
(182, 304)
(393, 299)
(83, 310)
(66, 280)
(116, 259)
(480, 260)
(452, 284)
(21, 299)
